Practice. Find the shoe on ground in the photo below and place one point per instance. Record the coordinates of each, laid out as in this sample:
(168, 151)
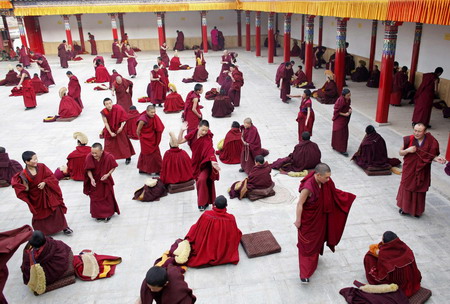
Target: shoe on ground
(345, 154)
(201, 208)
(127, 161)
(107, 219)
(68, 231)
(241, 170)
(305, 281)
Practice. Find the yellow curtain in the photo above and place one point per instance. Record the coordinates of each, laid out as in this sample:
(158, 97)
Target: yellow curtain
(5, 5)
(425, 11)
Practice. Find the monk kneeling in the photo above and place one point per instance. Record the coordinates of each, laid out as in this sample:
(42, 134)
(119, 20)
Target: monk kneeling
(231, 150)
(44, 254)
(165, 286)
(257, 185)
(215, 237)
(392, 261)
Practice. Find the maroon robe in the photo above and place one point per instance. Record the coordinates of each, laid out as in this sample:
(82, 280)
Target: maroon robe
(279, 73)
(117, 52)
(164, 56)
(252, 149)
(46, 205)
(399, 84)
(175, 292)
(46, 74)
(301, 118)
(175, 64)
(74, 90)
(257, 185)
(372, 153)
(54, 257)
(225, 68)
(214, 239)
(301, 78)
(132, 63)
(112, 78)
(159, 87)
(295, 51)
(63, 57)
(174, 103)
(75, 162)
(396, 264)
(374, 79)
(306, 155)
(328, 94)
(29, 96)
(11, 79)
(423, 99)
(10, 241)
(150, 160)
(24, 57)
(323, 221)
(131, 126)
(103, 200)
(235, 91)
(203, 172)
(93, 44)
(361, 74)
(416, 175)
(38, 86)
(179, 44)
(222, 107)
(68, 107)
(8, 168)
(176, 167)
(119, 146)
(122, 96)
(339, 138)
(200, 75)
(188, 115)
(101, 74)
(286, 84)
(232, 147)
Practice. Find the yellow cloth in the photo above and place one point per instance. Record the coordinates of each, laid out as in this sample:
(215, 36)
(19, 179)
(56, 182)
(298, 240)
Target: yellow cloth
(220, 144)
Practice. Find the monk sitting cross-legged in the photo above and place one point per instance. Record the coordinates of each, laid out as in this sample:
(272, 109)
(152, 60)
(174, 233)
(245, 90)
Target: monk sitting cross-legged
(328, 93)
(215, 237)
(231, 150)
(223, 105)
(392, 261)
(11, 78)
(257, 185)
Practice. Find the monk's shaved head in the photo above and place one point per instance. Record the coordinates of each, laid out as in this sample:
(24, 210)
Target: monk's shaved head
(389, 236)
(259, 159)
(322, 169)
(2, 150)
(156, 276)
(248, 120)
(420, 125)
(306, 136)
(150, 107)
(27, 156)
(97, 146)
(203, 123)
(235, 124)
(119, 79)
(37, 239)
(220, 202)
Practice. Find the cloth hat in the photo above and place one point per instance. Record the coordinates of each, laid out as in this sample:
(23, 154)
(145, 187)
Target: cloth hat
(329, 74)
(62, 92)
(81, 137)
(173, 140)
(151, 182)
(172, 87)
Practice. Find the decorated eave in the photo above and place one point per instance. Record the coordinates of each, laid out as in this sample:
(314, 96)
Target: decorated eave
(424, 11)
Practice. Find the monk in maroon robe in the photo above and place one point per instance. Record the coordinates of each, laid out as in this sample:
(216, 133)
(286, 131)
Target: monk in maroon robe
(11, 78)
(112, 78)
(77, 158)
(237, 79)
(10, 241)
(305, 117)
(280, 71)
(116, 140)
(361, 73)
(99, 184)
(285, 82)
(419, 151)
(393, 262)
(215, 237)
(24, 56)
(306, 156)
(62, 54)
(341, 119)
(257, 185)
(179, 44)
(131, 126)
(399, 84)
(165, 286)
(174, 102)
(38, 86)
(117, 52)
(232, 146)
(29, 96)
(74, 88)
(372, 153)
(204, 162)
(424, 97)
(175, 63)
(192, 109)
(46, 72)
(299, 80)
(200, 75)
(226, 61)
(374, 78)
(149, 131)
(328, 93)
(223, 106)
(163, 54)
(321, 214)
(93, 44)
(54, 256)
(159, 84)
(295, 51)
(132, 63)
(123, 89)
(252, 146)
(68, 107)
(176, 164)
(8, 168)
(37, 186)
(101, 72)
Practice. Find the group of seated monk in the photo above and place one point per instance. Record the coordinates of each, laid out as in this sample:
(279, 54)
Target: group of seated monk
(328, 93)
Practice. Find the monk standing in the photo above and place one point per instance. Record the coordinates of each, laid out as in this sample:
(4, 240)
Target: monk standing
(117, 52)
(238, 81)
(321, 214)
(74, 88)
(252, 146)
(204, 162)
(419, 151)
(192, 114)
(99, 184)
(46, 72)
(132, 63)
(116, 141)
(280, 71)
(341, 118)
(285, 82)
(399, 84)
(149, 131)
(163, 54)
(123, 89)
(38, 187)
(29, 96)
(215, 38)
(8, 168)
(424, 97)
(159, 84)
(305, 117)
(24, 56)
(179, 44)
(93, 44)
(62, 54)
(226, 61)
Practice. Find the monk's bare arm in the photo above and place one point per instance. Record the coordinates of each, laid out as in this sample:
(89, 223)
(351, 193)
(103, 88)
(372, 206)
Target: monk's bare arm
(304, 194)
(181, 139)
(194, 108)
(107, 126)
(403, 152)
(139, 128)
(21, 80)
(104, 177)
(122, 125)
(91, 177)
(308, 115)
(113, 90)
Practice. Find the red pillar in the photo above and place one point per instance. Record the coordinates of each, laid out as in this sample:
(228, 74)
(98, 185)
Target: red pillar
(287, 37)
(258, 34)
(415, 53)
(159, 22)
(8, 36)
(121, 25)
(270, 38)
(320, 30)
(204, 32)
(247, 31)
(239, 28)
(373, 44)
(163, 19)
(114, 26)
(34, 33)
(302, 29)
(23, 37)
(447, 155)
(387, 64)
(68, 32)
(80, 30)
(339, 67)
(309, 42)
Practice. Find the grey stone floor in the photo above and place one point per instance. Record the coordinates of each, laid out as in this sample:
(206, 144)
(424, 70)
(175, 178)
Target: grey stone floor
(144, 231)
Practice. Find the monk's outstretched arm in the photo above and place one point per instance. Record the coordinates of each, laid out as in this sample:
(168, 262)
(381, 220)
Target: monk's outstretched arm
(181, 139)
(301, 200)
